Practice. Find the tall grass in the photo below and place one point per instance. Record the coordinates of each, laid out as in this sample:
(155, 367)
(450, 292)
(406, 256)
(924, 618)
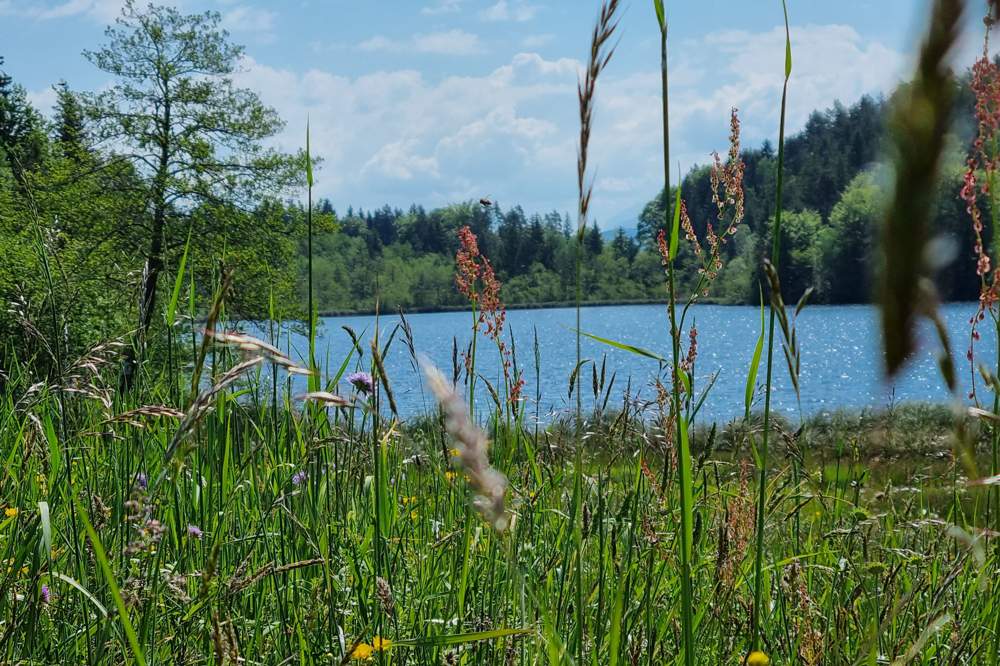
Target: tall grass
(762, 462)
(681, 434)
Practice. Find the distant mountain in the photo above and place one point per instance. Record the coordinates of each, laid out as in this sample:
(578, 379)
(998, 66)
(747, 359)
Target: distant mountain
(627, 219)
(609, 233)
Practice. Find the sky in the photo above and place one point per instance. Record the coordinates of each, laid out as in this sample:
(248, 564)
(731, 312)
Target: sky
(438, 101)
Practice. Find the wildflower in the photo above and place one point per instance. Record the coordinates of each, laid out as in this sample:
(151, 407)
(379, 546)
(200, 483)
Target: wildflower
(449, 476)
(467, 264)
(142, 480)
(10, 512)
(454, 453)
(300, 477)
(689, 228)
(46, 595)
(361, 651)
(408, 500)
(661, 245)
(985, 86)
(194, 531)
(381, 644)
(687, 364)
(758, 658)
(362, 381)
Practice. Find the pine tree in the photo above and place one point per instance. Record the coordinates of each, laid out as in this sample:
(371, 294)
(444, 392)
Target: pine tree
(70, 130)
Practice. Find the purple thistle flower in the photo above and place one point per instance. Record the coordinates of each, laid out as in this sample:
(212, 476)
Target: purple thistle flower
(195, 531)
(142, 480)
(46, 595)
(300, 477)
(362, 381)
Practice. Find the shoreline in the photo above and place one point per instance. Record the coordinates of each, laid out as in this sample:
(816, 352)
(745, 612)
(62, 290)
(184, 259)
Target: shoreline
(555, 305)
(544, 305)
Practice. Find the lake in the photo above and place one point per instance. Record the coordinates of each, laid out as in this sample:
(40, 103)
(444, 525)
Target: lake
(841, 363)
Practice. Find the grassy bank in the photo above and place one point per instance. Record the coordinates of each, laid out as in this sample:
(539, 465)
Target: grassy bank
(273, 533)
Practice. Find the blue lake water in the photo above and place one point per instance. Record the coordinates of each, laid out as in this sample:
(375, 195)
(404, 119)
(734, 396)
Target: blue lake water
(841, 363)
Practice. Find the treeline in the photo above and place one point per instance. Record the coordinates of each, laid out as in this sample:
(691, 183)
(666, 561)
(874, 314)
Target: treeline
(408, 258)
(834, 192)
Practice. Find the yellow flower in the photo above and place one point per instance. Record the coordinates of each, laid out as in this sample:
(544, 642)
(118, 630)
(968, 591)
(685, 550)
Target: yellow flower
(362, 651)
(449, 476)
(10, 512)
(381, 644)
(409, 500)
(414, 514)
(758, 658)
(454, 453)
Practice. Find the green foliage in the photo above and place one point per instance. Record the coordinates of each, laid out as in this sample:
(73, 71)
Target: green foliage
(846, 245)
(192, 136)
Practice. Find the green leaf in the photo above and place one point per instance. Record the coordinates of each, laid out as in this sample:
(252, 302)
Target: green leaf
(43, 511)
(704, 396)
(309, 165)
(755, 361)
(658, 6)
(803, 300)
(459, 639)
(84, 591)
(687, 496)
(788, 42)
(639, 351)
(109, 576)
(685, 380)
(675, 230)
(178, 281)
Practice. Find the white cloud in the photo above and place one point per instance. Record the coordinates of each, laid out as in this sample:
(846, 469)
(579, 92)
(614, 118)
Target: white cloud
(613, 184)
(519, 10)
(510, 131)
(400, 160)
(249, 19)
(537, 41)
(379, 43)
(449, 42)
(43, 100)
(104, 11)
(400, 136)
(442, 7)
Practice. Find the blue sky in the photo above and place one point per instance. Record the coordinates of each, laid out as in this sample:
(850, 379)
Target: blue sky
(433, 101)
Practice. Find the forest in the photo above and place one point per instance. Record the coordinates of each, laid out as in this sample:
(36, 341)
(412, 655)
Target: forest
(65, 182)
(834, 192)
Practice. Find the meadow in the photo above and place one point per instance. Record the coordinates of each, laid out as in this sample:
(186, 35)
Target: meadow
(169, 499)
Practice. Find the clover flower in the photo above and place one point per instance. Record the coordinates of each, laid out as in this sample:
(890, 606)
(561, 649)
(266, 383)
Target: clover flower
(362, 381)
